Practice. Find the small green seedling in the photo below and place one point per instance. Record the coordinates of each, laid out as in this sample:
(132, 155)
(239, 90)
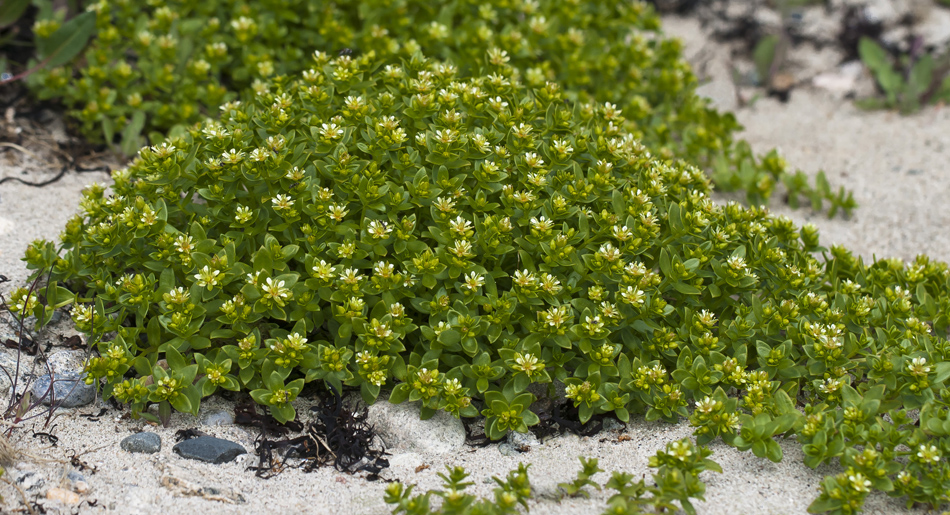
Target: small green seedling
(907, 83)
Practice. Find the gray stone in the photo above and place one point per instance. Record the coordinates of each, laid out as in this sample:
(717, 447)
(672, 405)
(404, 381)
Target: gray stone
(146, 443)
(69, 387)
(77, 482)
(612, 424)
(209, 449)
(400, 428)
(216, 418)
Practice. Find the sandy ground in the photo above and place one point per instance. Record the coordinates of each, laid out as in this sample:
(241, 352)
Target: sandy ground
(894, 165)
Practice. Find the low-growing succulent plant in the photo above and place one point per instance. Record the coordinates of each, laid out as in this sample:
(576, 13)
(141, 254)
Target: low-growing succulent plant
(165, 65)
(676, 479)
(393, 225)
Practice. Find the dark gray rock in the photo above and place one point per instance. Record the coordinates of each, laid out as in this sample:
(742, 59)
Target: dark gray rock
(146, 443)
(69, 387)
(209, 449)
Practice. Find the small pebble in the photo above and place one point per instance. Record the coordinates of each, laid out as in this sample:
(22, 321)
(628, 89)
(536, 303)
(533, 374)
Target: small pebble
(209, 449)
(69, 388)
(62, 495)
(77, 482)
(145, 442)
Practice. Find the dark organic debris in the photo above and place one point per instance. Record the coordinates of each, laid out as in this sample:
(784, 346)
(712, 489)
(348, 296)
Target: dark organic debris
(73, 342)
(94, 418)
(49, 436)
(58, 176)
(81, 465)
(674, 6)
(475, 434)
(339, 436)
(246, 414)
(187, 434)
(26, 344)
(556, 423)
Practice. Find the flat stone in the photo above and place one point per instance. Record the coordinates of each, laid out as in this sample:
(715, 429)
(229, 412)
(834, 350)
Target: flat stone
(146, 443)
(69, 388)
(209, 449)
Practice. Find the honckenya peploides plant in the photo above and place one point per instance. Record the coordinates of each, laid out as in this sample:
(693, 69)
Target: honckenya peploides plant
(400, 228)
(158, 67)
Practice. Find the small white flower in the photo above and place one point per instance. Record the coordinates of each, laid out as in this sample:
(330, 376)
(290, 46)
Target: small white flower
(525, 279)
(232, 156)
(928, 455)
(378, 229)
(330, 131)
(275, 289)
(207, 277)
(533, 160)
(473, 281)
(337, 212)
(282, 202)
(243, 214)
(184, 244)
